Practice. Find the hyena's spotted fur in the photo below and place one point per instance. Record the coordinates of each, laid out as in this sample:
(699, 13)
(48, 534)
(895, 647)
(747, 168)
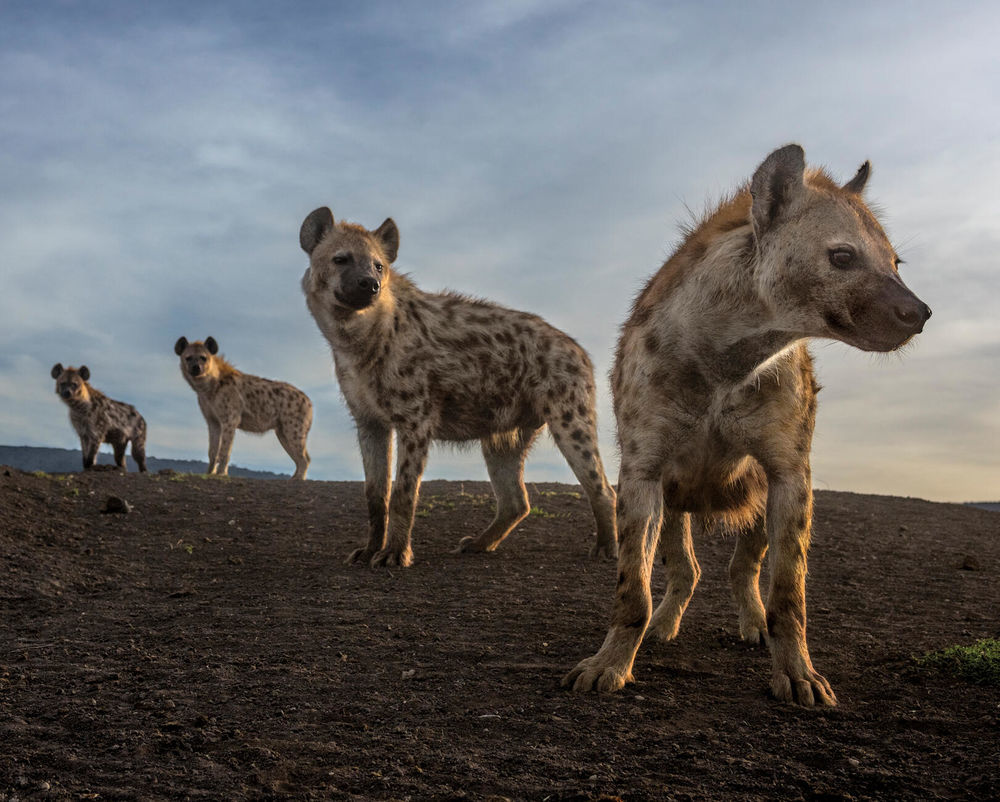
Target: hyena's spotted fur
(445, 367)
(98, 419)
(716, 402)
(230, 400)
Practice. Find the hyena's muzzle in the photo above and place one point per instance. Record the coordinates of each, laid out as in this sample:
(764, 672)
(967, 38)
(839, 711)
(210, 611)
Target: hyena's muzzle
(885, 318)
(359, 286)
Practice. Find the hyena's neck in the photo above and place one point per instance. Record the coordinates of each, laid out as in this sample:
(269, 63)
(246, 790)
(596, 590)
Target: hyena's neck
(353, 335)
(86, 402)
(726, 325)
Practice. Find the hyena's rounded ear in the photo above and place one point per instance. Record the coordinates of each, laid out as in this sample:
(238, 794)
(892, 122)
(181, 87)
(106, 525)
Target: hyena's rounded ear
(57, 370)
(84, 372)
(211, 345)
(388, 236)
(776, 184)
(314, 228)
(180, 345)
(857, 184)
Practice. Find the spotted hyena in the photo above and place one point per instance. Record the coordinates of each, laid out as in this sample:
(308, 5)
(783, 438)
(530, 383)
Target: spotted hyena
(98, 419)
(445, 367)
(231, 400)
(716, 401)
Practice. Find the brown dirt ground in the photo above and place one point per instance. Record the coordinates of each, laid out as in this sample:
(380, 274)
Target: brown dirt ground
(212, 644)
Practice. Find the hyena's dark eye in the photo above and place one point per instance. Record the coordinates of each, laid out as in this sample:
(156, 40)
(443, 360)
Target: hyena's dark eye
(378, 266)
(340, 259)
(841, 257)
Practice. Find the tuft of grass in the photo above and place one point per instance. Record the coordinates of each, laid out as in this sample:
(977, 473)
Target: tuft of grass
(558, 493)
(40, 474)
(978, 663)
(538, 512)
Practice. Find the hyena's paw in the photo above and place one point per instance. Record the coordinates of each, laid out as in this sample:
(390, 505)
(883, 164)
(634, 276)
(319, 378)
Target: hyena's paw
(665, 622)
(753, 629)
(390, 557)
(607, 550)
(806, 688)
(597, 674)
(362, 555)
(473, 545)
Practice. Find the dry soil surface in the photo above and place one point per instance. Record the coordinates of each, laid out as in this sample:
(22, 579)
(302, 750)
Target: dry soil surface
(211, 644)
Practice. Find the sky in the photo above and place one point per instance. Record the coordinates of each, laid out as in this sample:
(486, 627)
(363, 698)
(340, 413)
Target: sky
(157, 160)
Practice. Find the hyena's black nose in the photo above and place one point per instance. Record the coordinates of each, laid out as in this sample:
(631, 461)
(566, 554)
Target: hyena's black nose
(369, 284)
(66, 394)
(913, 316)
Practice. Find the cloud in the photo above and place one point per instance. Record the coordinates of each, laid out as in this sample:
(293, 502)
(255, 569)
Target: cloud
(159, 160)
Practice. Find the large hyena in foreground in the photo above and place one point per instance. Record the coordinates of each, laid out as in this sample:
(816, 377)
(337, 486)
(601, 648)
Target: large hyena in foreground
(231, 400)
(716, 402)
(98, 419)
(444, 367)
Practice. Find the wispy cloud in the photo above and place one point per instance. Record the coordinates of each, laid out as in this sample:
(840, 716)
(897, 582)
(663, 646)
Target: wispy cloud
(158, 161)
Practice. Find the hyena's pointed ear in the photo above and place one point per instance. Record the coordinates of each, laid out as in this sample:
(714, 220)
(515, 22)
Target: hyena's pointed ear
(776, 184)
(314, 228)
(57, 370)
(84, 372)
(857, 184)
(211, 345)
(180, 345)
(388, 235)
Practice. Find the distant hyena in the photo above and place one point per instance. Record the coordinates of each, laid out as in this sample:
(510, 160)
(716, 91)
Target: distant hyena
(231, 400)
(716, 402)
(98, 419)
(445, 367)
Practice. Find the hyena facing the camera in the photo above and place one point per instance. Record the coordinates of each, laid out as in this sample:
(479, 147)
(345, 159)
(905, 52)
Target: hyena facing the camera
(98, 419)
(445, 367)
(716, 402)
(230, 400)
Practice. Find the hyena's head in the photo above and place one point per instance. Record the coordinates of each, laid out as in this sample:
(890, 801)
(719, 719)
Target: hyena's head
(348, 265)
(71, 383)
(826, 267)
(197, 358)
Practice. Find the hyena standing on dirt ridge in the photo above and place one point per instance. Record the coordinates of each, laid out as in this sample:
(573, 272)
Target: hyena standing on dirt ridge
(231, 400)
(98, 419)
(716, 402)
(445, 367)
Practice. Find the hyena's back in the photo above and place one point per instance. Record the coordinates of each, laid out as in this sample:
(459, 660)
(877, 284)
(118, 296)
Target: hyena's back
(478, 369)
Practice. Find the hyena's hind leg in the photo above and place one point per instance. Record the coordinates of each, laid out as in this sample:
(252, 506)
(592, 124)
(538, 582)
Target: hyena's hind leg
(683, 573)
(294, 443)
(119, 448)
(575, 431)
(505, 455)
(744, 578)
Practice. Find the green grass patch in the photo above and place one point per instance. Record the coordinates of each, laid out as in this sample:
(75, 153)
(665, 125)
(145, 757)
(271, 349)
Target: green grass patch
(538, 512)
(978, 663)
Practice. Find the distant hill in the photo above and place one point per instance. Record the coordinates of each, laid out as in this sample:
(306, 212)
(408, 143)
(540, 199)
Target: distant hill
(65, 460)
(986, 505)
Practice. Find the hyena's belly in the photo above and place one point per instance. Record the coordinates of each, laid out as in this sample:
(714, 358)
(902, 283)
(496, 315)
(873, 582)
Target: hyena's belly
(714, 487)
(472, 417)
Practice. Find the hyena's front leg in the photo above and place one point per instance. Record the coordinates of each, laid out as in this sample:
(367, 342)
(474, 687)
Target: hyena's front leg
(789, 516)
(89, 445)
(640, 512)
(214, 436)
(119, 448)
(410, 461)
(744, 578)
(227, 432)
(683, 573)
(376, 454)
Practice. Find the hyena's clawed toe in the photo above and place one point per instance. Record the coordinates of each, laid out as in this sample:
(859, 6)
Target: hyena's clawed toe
(447, 368)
